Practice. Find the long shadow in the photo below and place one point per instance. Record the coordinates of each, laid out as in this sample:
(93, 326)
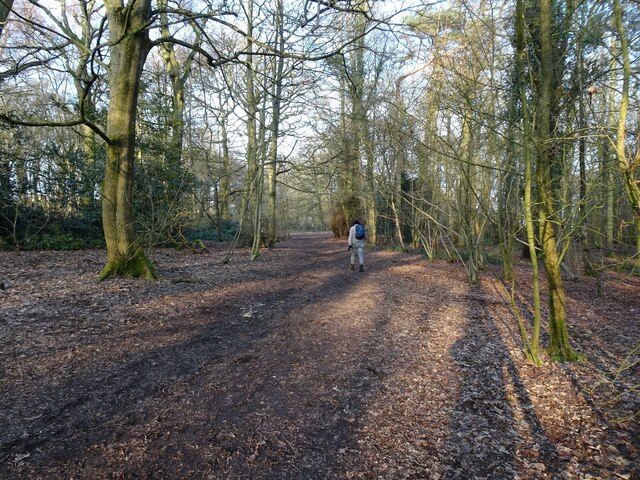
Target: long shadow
(56, 425)
(592, 337)
(605, 338)
(72, 312)
(484, 439)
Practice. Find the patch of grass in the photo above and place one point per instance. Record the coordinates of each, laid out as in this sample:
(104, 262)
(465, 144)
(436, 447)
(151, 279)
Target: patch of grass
(631, 267)
(494, 259)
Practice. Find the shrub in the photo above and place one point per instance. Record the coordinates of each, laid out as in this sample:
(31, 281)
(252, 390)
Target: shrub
(209, 232)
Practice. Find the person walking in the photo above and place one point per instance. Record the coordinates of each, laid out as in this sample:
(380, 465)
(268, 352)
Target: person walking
(357, 235)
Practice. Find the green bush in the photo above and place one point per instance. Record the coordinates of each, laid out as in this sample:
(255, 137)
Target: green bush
(228, 231)
(61, 241)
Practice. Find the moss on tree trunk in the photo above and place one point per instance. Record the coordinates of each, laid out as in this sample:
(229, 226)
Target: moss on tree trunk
(559, 347)
(130, 45)
(136, 265)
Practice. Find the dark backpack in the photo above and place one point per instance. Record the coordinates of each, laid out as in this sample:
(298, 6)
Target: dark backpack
(360, 232)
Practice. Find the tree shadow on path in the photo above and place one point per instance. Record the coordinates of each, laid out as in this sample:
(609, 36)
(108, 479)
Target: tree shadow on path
(211, 392)
(493, 409)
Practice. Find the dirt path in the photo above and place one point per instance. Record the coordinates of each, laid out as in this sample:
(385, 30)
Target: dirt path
(292, 367)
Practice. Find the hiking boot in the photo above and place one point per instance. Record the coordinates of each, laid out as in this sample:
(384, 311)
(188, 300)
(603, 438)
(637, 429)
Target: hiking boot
(353, 267)
(362, 268)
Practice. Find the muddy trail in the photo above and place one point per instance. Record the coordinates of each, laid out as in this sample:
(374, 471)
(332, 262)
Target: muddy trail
(294, 367)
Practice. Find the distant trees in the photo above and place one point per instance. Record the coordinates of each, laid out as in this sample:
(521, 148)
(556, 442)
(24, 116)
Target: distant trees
(89, 39)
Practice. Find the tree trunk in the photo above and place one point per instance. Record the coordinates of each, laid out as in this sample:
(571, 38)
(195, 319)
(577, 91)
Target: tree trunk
(173, 166)
(627, 167)
(272, 165)
(366, 137)
(469, 225)
(83, 80)
(262, 151)
(587, 264)
(250, 206)
(353, 123)
(319, 204)
(428, 174)
(130, 45)
(559, 346)
(531, 347)
(507, 191)
(370, 200)
(608, 161)
(225, 178)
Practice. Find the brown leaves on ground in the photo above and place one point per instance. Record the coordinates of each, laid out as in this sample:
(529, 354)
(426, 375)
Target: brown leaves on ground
(295, 367)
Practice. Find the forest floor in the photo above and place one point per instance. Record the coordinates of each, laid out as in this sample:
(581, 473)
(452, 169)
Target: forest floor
(294, 367)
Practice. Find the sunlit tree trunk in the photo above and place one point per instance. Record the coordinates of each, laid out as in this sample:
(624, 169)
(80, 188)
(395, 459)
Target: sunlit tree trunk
(396, 200)
(531, 345)
(174, 170)
(319, 203)
(627, 165)
(129, 47)
(607, 157)
(507, 180)
(173, 153)
(358, 118)
(348, 178)
(559, 346)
